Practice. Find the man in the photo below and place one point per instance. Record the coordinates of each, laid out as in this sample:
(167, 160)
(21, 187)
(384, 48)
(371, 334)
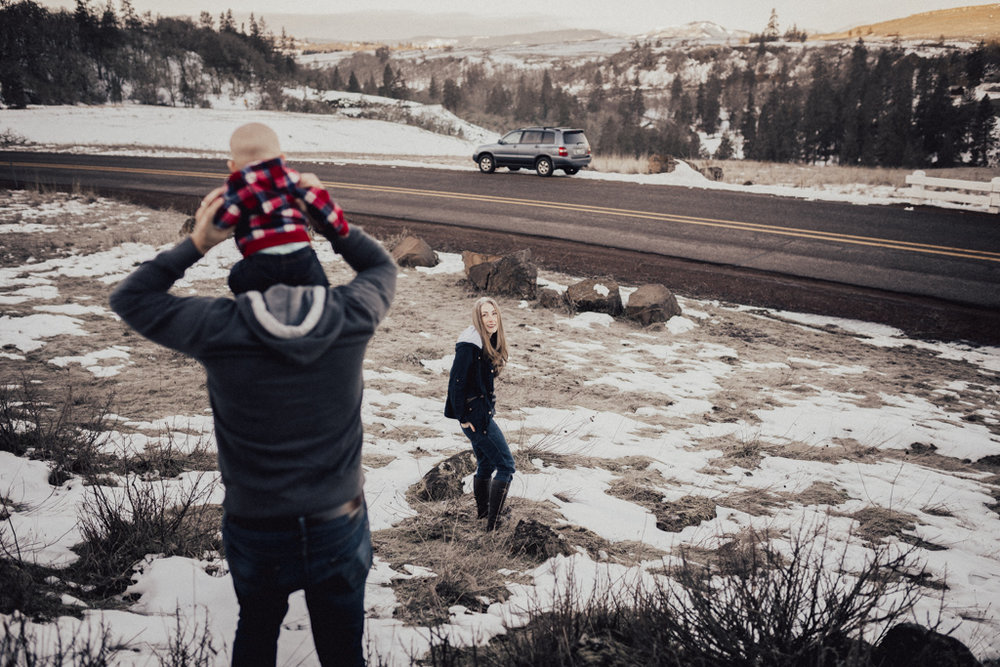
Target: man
(284, 372)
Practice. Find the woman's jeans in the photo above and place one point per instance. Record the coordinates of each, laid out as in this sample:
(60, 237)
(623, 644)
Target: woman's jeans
(330, 561)
(492, 452)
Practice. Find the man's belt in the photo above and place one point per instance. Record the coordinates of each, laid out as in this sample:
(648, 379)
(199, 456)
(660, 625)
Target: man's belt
(290, 523)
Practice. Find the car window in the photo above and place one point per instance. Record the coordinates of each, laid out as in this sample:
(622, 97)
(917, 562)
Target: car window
(512, 137)
(574, 137)
(548, 138)
(532, 137)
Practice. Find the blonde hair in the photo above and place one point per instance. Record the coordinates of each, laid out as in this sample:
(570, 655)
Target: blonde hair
(497, 353)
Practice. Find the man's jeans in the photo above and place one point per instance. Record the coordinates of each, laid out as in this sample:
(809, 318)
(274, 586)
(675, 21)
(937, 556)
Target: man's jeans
(330, 561)
(492, 452)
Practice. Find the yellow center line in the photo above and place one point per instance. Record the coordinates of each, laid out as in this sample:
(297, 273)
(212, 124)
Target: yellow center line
(581, 208)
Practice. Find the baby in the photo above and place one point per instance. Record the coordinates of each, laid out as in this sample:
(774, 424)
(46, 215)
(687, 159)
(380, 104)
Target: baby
(262, 202)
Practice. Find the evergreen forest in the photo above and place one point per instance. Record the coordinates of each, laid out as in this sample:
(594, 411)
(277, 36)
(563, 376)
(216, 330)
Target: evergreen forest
(782, 100)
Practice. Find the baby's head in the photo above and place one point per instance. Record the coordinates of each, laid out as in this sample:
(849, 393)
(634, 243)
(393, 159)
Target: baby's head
(253, 142)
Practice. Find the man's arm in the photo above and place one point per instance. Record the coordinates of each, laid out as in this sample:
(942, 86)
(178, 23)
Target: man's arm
(143, 301)
(372, 290)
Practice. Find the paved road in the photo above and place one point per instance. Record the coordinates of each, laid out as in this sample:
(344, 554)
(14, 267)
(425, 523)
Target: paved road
(949, 257)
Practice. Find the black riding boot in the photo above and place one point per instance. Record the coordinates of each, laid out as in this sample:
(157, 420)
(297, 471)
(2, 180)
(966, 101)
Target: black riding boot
(481, 490)
(498, 493)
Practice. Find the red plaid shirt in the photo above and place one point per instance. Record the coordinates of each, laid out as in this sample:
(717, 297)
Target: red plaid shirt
(260, 202)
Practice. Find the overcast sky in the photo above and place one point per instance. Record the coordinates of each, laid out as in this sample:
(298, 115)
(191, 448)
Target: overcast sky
(629, 16)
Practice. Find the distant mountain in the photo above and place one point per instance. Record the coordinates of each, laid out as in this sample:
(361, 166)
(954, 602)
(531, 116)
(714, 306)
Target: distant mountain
(398, 26)
(699, 31)
(526, 39)
(974, 23)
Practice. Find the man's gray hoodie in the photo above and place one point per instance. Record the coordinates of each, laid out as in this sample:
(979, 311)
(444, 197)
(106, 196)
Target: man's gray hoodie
(284, 372)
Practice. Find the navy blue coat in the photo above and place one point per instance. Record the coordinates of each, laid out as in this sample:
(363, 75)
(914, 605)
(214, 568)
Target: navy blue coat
(470, 385)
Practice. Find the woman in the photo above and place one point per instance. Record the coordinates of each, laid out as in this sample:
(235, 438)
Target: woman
(480, 355)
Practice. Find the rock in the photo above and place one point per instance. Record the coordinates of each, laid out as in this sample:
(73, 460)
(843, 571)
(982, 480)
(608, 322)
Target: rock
(186, 227)
(711, 173)
(535, 539)
(661, 164)
(652, 303)
(912, 645)
(413, 251)
(444, 480)
(550, 298)
(991, 460)
(514, 275)
(595, 296)
(471, 259)
(511, 275)
(479, 275)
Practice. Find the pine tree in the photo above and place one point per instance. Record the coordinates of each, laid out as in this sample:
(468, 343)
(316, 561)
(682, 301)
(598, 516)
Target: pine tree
(451, 97)
(893, 138)
(545, 94)
(819, 114)
(726, 149)
(353, 86)
(771, 32)
(982, 142)
(711, 104)
(855, 125)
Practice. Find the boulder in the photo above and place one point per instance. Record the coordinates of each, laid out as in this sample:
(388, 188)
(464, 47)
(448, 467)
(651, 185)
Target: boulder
(479, 275)
(711, 173)
(661, 164)
(651, 303)
(912, 645)
(444, 480)
(550, 298)
(413, 251)
(472, 259)
(514, 275)
(596, 296)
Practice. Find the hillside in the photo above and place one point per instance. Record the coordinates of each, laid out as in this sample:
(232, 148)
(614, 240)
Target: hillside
(975, 23)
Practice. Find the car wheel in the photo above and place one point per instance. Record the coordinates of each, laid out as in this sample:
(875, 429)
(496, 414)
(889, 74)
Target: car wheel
(570, 170)
(486, 163)
(543, 166)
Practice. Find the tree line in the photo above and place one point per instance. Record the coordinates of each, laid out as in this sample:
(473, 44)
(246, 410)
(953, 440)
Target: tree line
(849, 104)
(96, 56)
(774, 99)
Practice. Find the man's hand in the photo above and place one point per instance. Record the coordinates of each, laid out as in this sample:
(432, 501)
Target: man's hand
(205, 234)
(310, 180)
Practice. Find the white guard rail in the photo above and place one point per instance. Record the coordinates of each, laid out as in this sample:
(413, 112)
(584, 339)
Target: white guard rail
(945, 190)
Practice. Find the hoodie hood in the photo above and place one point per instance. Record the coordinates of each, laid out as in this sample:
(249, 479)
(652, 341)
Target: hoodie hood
(298, 323)
(470, 335)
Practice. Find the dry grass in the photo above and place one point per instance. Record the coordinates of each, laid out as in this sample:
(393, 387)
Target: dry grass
(754, 172)
(876, 523)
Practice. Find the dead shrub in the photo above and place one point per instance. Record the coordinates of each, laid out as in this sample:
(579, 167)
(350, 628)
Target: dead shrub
(19, 645)
(753, 603)
(68, 435)
(120, 528)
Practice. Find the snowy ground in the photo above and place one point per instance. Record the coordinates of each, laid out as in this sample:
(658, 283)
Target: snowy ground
(175, 131)
(724, 403)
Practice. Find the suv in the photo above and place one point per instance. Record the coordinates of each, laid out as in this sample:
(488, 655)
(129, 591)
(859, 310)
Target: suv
(543, 149)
